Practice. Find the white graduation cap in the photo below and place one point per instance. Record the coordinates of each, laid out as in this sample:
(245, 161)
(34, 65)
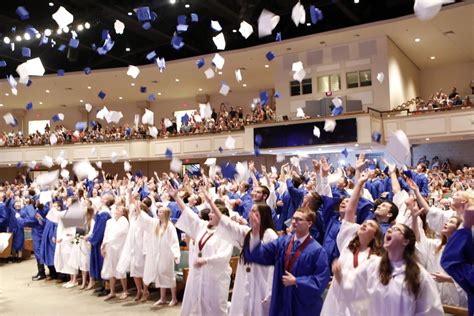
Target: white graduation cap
(61, 116)
(219, 41)
(75, 216)
(83, 169)
(63, 17)
(224, 89)
(45, 197)
(119, 27)
(245, 29)
(60, 158)
(47, 161)
(213, 170)
(197, 118)
(176, 165)
(32, 164)
(153, 131)
(219, 61)
(242, 169)
(168, 122)
(298, 14)
(273, 169)
(9, 119)
(427, 9)
(316, 132)
(209, 73)
(32, 67)
(399, 147)
(23, 73)
(64, 173)
(300, 113)
(102, 113)
(216, 26)
(124, 153)
(93, 151)
(210, 161)
(76, 134)
(329, 125)
(114, 157)
(295, 161)
(99, 164)
(133, 71)
(88, 107)
(127, 166)
(64, 163)
(380, 77)
(280, 158)
(205, 110)
(297, 66)
(267, 21)
(47, 178)
(238, 75)
(337, 102)
(148, 117)
(113, 116)
(229, 143)
(299, 75)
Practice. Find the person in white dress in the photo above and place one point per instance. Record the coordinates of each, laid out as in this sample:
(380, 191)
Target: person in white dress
(162, 252)
(252, 290)
(207, 286)
(394, 284)
(114, 238)
(64, 244)
(357, 243)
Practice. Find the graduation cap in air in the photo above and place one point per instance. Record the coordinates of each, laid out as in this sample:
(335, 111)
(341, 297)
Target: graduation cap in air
(298, 14)
(228, 170)
(267, 21)
(329, 125)
(57, 117)
(278, 37)
(80, 126)
(176, 164)
(245, 29)
(151, 56)
(143, 89)
(216, 26)
(256, 151)
(200, 63)
(168, 153)
(53, 140)
(74, 42)
(63, 17)
(177, 42)
(427, 9)
(25, 52)
(194, 18)
(398, 146)
(225, 89)
(263, 97)
(345, 152)
(219, 41)
(19, 164)
(23, 13)
(270, 56)
(60, 72)
(10, 119)
(218, 61)
(258, 140)
(238, 75)
(376, 136)
(153, 131)
(380, 77)
(315, 14)
(87, 70)
(209, 73)
(119, 27)
(29, 106)
(230, 143)
(3, 63)
(101, 94)
(316, 132)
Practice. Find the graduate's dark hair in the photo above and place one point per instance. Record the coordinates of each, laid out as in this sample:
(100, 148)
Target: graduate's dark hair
(266, 222)
(376, 245)
(204, 214)
(316, 201)
(412, 269)
(89, 216)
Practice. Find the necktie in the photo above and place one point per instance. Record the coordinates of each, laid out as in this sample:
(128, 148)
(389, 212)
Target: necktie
(295, 247)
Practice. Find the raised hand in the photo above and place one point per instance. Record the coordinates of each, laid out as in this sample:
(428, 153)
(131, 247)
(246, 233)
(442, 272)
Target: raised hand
(412, 185)
(391, 166)
(316, 165)
(361, 162)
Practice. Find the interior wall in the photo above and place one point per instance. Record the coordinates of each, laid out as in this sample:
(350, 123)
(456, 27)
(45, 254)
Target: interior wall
(445, 78)
(404, 76)
(458, 153)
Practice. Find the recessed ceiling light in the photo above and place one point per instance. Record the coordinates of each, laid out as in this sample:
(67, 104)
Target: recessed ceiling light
(127, 49)
(82, 101)
(7, 94)
(172, 1)
(87, 25)
(427, 138)
(356, 1)
(186, 5)
(357, 145)
(159, 93)
(47, 91)
(66, 29)
(177, 80)
(220, 72)
(59, 31)
(120, 98)
(244, 85)
(200, 89)
(38, 35)
(89, 87)
(27, 36)
(6, 40)
(47, 32)
(433, 57)
(1, 104)
(417, 40)
(266, 66)
(80, 27)
(308, 24)
(132, 84)
(51, 4)
(130, 13)
(18, 38)
(40, 102)
(234, 31)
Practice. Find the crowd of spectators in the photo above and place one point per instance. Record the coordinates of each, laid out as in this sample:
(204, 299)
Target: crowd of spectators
(437, 101)
(223, 121)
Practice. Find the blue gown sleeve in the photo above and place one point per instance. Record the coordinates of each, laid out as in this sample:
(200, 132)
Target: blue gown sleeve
(295, 193)
(99, 230)
(264, 254)
(314, 285)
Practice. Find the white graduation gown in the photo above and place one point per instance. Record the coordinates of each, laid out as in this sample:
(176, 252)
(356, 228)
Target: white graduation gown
(207, 287)
(250, 288)
(114, 239)
(451, 293)
(132, 258)
(392, 299)
(160, 252)
(335, 304)
(64, 248)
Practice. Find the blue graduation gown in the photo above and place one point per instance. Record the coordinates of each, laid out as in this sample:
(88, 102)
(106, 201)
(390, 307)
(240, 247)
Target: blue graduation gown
(457, 260)
(292, 199)
(311, 270)
(48, 247)
(375, 187)
(244, 208)
(175, 212)
(422, 181)
(95, 239)
(4, 217)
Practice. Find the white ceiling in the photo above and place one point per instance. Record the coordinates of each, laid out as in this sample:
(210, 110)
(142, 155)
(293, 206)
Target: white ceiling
(73, 87)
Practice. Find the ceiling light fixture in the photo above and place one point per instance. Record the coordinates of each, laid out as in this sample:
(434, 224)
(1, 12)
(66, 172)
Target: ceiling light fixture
(38, 35)
(234, 31)
(82, 101)
(27, 36)
(89, 87)
(80, 27)
(47, 32)
(132, 84)
(127, 49)
(417, 40)
(18, 38)
(187, 5)
(130, 13)
(177, 80)
(59, 31)
(159, 93)
(51, 4)
(427, 138)
(244, 85)
(66, 29)
(7, 94)
(433, 57)
(220, 72)
(47, 91)
(172, 1)
(356, 1)
(6, 40)
(267, 66)
(1, 104)
(87, 25)
(40, 102)
(120, 98)
(308, 24)
(200, 89)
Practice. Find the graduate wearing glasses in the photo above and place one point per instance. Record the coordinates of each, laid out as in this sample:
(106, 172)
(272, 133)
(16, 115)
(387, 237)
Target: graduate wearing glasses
(301, 267)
